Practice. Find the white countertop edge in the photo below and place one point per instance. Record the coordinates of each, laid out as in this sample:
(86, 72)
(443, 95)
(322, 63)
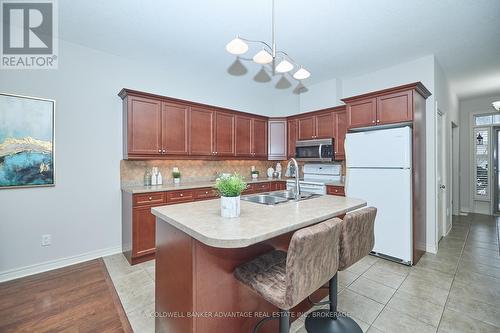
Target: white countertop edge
(245, 242)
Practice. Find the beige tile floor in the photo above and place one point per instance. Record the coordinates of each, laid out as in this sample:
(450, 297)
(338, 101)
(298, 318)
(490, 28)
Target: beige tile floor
(456, 290)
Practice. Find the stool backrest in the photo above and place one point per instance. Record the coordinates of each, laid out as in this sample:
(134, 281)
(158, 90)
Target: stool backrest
(357, 237)
(312, 259)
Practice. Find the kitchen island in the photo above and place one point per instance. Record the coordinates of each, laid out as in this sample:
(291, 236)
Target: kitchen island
(197, 251)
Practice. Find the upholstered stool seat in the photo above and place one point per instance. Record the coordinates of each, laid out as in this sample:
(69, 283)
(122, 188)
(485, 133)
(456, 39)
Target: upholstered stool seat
(355, 242)
(285, 279)
(266, 275)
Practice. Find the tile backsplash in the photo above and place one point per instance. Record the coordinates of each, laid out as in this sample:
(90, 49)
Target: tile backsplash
(132, 172)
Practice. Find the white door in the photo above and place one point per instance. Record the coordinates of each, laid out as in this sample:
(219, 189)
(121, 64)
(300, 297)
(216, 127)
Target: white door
(390, 148)
(389, 190)
(441, 157)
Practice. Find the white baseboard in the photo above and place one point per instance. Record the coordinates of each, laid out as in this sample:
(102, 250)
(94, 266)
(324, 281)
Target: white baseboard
(431, 248)
(449, 229)
(58, 263)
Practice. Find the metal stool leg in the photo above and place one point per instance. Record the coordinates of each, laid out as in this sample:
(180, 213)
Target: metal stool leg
(329, 320)
(284, 321)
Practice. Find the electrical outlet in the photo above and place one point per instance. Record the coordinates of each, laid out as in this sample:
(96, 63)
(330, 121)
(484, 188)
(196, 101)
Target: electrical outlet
(46, 240)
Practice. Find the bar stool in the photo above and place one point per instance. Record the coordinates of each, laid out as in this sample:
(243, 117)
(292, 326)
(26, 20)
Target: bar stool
(285, 279)
(356, 241)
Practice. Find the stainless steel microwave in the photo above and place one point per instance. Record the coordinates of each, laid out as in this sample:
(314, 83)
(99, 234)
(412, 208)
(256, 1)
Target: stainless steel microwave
(319, 150)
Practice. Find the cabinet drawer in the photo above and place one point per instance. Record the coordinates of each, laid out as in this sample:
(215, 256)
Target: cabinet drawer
(205, 193)
(149, 199)
(179, 196)
(335, 190)
(278, 186)
(261, 187)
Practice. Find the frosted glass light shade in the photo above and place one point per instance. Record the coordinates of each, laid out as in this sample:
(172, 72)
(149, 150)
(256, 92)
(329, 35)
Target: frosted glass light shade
(301, 74)
(263, 57)
(284, 66)
(237, 46)
(496, 105)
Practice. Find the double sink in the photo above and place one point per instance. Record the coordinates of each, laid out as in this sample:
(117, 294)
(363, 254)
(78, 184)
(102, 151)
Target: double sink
(277, 197)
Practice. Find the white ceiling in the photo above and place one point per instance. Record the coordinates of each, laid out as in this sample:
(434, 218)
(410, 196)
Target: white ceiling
(333, 39)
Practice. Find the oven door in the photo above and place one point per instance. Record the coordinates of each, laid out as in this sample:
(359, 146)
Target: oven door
(314, 150)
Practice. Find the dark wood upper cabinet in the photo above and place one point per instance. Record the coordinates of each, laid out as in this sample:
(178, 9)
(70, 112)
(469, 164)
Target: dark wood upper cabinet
(316, 126)
(395, 108)
(340, 123)
(389, 106)
(259, 137)
(243, 137)
(362, 113)
(201, 131)
(292, 136)
(142, 126)
(175, 129)
(324, 126)
(306, 126)
(224, 134)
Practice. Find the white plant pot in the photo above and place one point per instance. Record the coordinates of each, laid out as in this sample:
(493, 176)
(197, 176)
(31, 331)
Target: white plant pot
(255, 176)
(177, 180)
(230, 206)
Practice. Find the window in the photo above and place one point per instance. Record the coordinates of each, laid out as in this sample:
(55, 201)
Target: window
(487, 119)
(484, 120)
(482, 166)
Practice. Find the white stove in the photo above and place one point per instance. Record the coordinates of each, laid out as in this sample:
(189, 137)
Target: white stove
(316, 176)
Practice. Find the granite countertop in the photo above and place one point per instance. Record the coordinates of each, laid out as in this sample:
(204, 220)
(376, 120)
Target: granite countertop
(202, 221)
(186, 185)
(336, 183)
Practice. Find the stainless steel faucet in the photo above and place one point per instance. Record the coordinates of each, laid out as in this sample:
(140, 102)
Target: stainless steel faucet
(297, 183)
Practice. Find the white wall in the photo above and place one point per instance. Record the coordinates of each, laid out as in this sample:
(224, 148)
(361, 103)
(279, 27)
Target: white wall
(468, 107)
(321, 95)
(447, 102)
(82, 212)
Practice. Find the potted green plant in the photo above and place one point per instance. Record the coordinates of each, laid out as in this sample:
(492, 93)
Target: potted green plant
(255, 174)
(230, 188)
(177, 177)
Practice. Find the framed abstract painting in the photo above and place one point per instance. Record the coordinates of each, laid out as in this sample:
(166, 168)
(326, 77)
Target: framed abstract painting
(26, 141)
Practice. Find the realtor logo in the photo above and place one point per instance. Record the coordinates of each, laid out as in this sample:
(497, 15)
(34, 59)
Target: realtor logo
(29, 34)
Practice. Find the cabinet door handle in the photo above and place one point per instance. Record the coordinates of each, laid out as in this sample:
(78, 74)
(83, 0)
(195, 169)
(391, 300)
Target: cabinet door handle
(182, 195)
(378, 120)
(164, 151)
(206, 192)
(373, 121)
(159, 150)
(150, 198)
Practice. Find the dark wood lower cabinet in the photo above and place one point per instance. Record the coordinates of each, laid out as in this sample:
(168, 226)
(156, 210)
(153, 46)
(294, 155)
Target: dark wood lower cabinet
(143, 232)
(335, 190)
(139, 225)
(278, 186)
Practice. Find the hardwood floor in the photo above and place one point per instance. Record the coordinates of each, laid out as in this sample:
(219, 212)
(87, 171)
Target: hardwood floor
(78, 298)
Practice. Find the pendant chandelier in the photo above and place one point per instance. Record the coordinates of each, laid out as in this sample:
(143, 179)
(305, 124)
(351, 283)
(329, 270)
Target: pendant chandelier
(279, 62)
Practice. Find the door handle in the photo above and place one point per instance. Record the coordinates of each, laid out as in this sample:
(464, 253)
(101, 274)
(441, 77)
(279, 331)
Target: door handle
(442, 187)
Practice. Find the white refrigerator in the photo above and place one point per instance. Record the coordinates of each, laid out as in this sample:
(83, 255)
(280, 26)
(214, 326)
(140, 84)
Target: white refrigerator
(379, 170)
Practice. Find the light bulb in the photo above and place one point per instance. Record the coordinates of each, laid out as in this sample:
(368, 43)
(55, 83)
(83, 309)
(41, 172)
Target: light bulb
(284, 66)
(237, 46)
(263, 57)
(496, 105)
(301, 74)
